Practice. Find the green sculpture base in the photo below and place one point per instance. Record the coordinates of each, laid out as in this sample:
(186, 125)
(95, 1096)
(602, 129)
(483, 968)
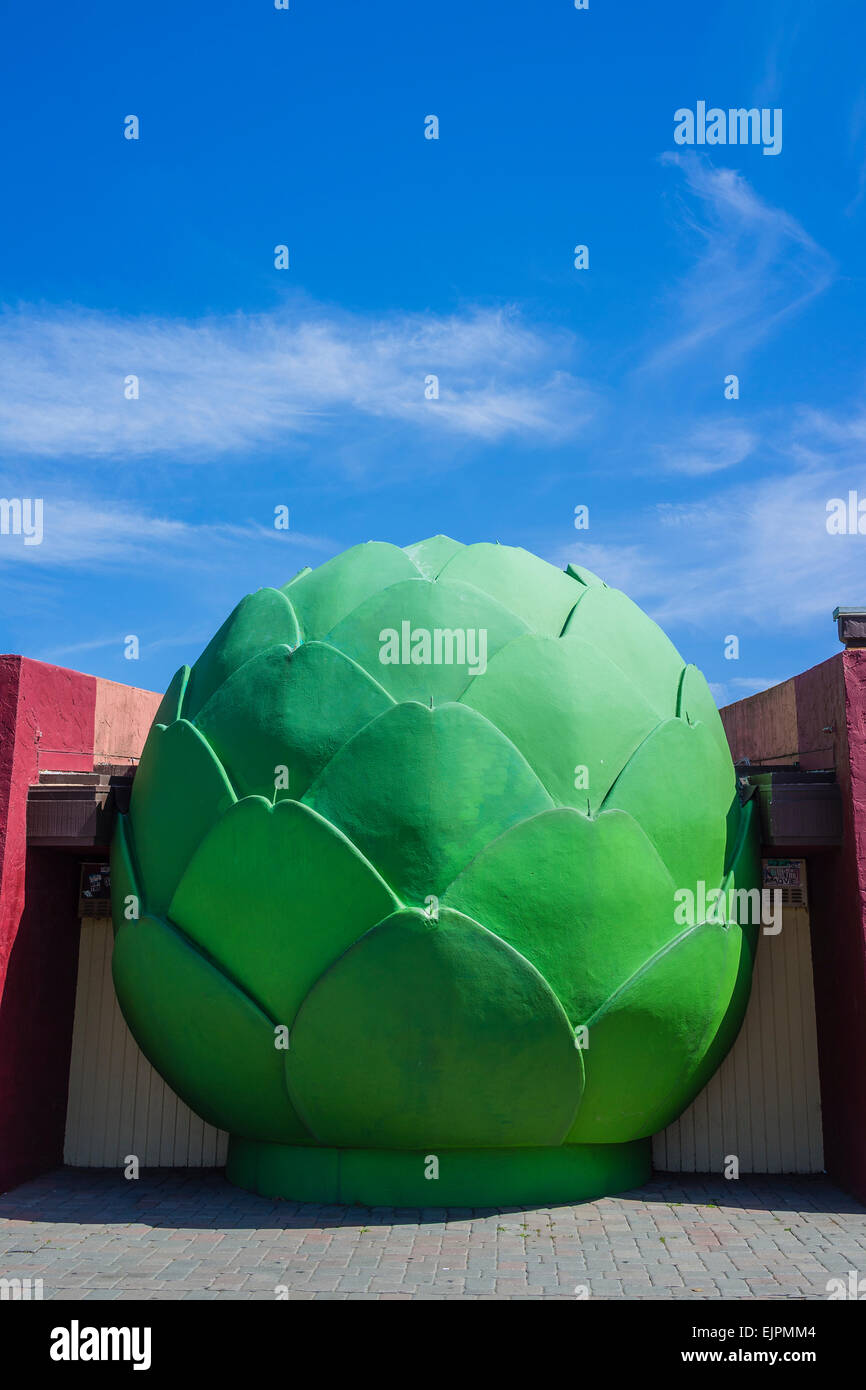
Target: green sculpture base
(466, 1177)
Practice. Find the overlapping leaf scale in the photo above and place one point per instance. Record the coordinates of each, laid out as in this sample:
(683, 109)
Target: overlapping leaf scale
(745, 874)
(288, 709)
(433, 1033)
(207, 1038)
(538, 593)
(569, 712)
(210, 1040)
(648, 1043)
(585, 576)
(619, 630)
(323, 596)
(431, 556)
(180, 791)
(263, 619)
(654, 1043)
(587, 901)
(425, 607)
(420, 791)
(275, 894)
(692, 843)
(171, 705)
(695, 704)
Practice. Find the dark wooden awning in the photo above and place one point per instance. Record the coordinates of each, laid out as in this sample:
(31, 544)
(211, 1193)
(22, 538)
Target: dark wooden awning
(801, 810)
(76, 810)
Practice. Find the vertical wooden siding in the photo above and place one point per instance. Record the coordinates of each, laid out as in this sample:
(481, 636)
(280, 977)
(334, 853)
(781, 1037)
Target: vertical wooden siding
(118, 1105)
(763, 1104)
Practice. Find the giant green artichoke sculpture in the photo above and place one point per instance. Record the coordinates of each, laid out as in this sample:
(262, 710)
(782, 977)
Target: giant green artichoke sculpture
(398, 899)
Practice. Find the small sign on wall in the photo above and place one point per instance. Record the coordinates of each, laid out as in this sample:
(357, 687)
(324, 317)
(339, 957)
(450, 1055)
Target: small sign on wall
(790, 876)
(94, 893)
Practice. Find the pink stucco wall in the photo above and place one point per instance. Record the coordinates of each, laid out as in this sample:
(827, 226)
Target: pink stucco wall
(122, 718)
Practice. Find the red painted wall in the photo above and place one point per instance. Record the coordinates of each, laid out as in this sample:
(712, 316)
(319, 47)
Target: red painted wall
(36, 1014)
(819, 718)
(10, 671)
(48, 722)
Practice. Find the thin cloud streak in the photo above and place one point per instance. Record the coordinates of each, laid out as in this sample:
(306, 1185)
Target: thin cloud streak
(755, 553)
(221, 384)
(710, 446)
(80, 534)
(756, 266)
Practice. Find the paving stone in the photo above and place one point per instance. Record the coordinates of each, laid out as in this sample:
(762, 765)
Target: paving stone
(89, 1235)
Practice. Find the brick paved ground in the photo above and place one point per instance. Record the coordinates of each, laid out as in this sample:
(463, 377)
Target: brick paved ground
(94, 1235)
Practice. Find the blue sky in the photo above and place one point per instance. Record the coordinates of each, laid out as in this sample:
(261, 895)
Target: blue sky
(305, 387)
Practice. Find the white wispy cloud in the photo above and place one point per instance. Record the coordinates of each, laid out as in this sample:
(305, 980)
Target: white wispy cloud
(220, 384)
(739, 687)
(754, 266)
(752, 684)
(191, 640)
(86, 534)
(709, 446)
(791, 21)
(757, 554)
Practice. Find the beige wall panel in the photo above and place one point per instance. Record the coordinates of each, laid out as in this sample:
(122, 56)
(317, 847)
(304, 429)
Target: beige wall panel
(764, 1103)
(118, 1104)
